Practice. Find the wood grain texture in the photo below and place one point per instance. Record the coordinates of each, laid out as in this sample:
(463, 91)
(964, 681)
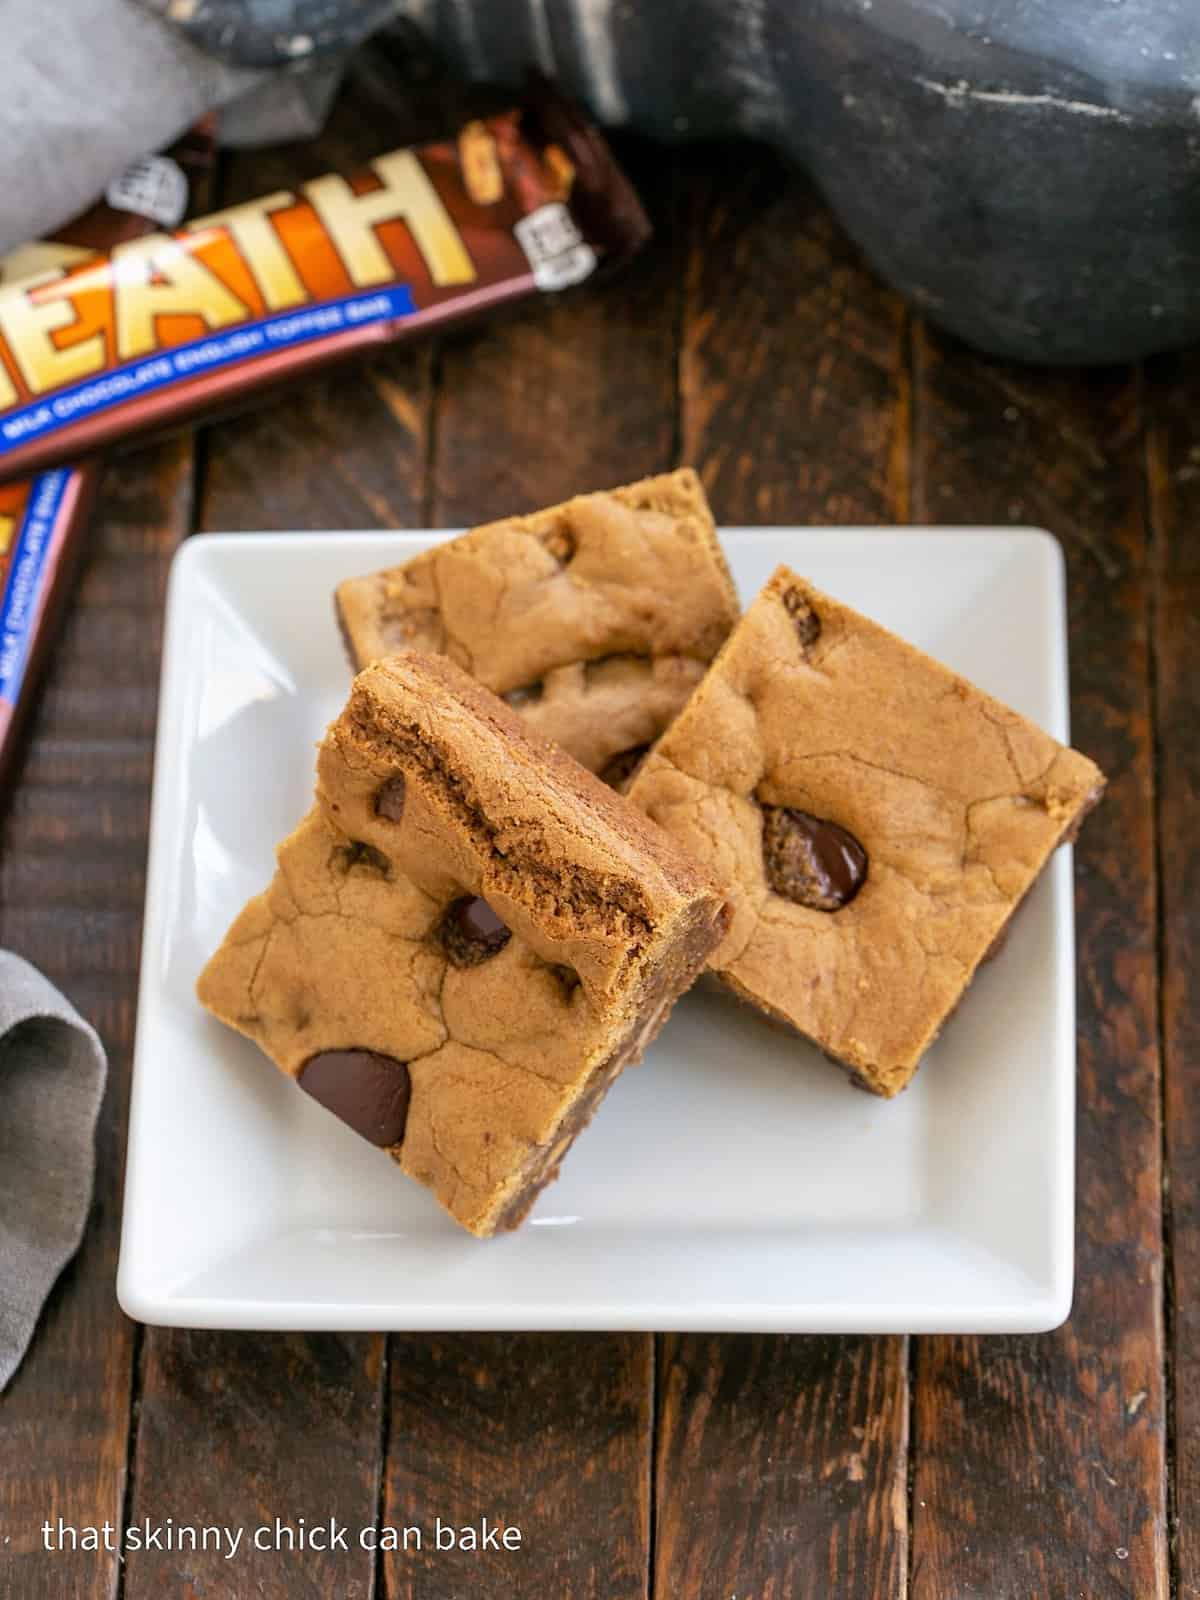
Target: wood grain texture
(551, 1432)
(1040, 1462)
(570, 393)
(347, 448)
(545, 1433)
(72, 859)
(781, 1467)
(1173, 404)
(243, 1431)
(794, 374)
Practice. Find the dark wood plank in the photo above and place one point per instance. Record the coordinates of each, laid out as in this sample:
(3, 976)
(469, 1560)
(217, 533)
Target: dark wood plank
(1173, 396)
(567, 395)
(245, 1432)
(781, 1467)
(543, 1434)
(781, 1462)
(347, 450)
(794, 371)
(1039, 1462)
(72, 852)
(552, 1433)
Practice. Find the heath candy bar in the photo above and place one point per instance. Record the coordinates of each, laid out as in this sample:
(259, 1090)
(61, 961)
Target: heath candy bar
(165, 327)
(43, 517)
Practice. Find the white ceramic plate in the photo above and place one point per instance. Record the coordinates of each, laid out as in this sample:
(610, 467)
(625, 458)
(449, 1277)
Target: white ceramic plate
(732, 1181)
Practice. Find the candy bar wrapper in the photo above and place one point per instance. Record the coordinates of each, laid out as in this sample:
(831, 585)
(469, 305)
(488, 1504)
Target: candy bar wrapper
(41, 523)
(176, 324)
(43, 518)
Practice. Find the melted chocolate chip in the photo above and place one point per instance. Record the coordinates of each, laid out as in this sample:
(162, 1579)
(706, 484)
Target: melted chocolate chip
(560, 542)
(368, 1091)
(362, 856)
(471, 932)
(811, 860)
(527, 695)
(619, 771)
(568, 977)
(806, 620)
(389, 802)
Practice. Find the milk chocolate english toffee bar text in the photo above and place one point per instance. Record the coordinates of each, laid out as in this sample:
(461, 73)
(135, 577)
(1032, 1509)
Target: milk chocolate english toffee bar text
(172, 325)
(43, 518)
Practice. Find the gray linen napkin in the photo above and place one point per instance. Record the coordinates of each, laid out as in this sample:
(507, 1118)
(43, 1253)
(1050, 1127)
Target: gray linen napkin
(52, 1071)
(87, 86)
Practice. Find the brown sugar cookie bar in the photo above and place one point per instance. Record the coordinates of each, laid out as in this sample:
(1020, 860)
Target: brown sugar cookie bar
(875, 818)
(595, 619)
(465, 941)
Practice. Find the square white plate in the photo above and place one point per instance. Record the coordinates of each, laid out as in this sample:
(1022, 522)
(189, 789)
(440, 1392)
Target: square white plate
(732, 1181)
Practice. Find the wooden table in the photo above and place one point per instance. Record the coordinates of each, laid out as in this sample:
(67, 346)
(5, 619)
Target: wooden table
(751, 341)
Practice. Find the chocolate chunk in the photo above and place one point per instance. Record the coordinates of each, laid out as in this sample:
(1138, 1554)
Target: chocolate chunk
(811, 860)
(527, 695)
(362, 856)
(808, 623)
(621, 768)
(568, 977)
(368, 1091)
(560, 542)
(471, 932)
(389, 802)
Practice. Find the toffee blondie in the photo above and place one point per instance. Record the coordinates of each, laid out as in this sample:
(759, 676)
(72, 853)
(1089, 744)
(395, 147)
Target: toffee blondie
(466, 940)
(875, 818)
(595, 619)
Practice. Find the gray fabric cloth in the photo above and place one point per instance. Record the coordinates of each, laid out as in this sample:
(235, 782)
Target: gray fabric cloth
(87, 86)
(52, 1072)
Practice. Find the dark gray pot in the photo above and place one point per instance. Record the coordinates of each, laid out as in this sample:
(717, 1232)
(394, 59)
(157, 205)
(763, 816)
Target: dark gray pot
(1026, 171)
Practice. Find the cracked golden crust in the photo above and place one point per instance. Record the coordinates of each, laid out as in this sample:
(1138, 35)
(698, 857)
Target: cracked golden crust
(958, 801)
(492, 810)
(341, 952)
(603, 612)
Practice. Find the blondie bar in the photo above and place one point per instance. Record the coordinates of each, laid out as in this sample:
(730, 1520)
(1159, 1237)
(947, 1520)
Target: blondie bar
(875, 818)
(466, 940)
(595, 619)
